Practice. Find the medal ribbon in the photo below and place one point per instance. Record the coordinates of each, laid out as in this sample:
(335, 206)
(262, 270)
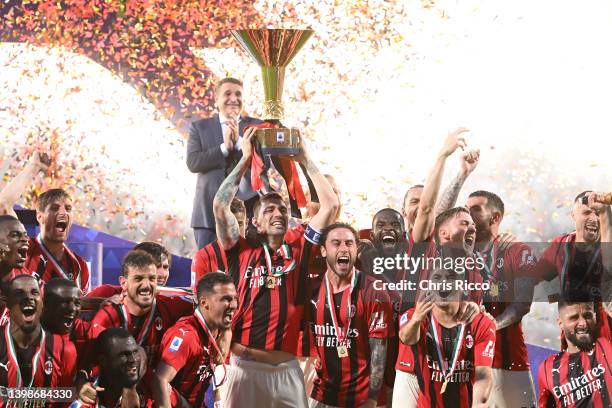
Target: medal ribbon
(569, 254)
(146, 328)
(286, 251)
(202, 322)
(329, 297)
(58, 266)
(12, 355)
(447, 372)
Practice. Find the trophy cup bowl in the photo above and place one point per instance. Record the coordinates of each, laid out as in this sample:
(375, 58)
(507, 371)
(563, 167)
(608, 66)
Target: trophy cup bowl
(273, 50)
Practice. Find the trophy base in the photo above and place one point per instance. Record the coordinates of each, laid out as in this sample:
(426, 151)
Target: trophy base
(280, 151)
(278, 141)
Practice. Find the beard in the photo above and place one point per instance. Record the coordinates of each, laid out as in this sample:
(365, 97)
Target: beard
(135, 297)
(583, 345)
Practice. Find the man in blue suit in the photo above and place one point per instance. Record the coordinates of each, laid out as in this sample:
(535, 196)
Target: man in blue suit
(213, 148)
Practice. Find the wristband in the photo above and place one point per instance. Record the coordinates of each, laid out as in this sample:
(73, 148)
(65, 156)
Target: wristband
(312, 235)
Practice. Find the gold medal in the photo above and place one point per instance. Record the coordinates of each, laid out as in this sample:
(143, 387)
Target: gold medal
(443, 386)
(270, 282)
(494, 291)
(342, 351)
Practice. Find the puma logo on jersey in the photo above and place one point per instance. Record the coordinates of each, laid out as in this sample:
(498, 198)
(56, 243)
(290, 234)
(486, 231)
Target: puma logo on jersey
(5, 366)
(183, 331)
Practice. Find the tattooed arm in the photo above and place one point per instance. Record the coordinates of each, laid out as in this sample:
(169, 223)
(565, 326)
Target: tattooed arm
(378, 358)
(426, 217)
(228, 231)
(469, 161)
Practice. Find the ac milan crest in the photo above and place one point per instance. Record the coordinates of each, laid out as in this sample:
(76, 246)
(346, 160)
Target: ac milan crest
(48, 366)
(351, 311)
(469, 341)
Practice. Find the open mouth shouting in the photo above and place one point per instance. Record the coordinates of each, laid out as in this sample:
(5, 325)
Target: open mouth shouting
(61, 227)
(470, 238)
(68, 320)
(388, 239)
(444, 294)
(22, 253)
(592, 229)
(29, 312)
(343, 262)
(228, 316)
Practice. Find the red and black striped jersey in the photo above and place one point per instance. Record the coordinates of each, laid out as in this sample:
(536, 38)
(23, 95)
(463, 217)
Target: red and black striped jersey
(344, 382)
(582, 379)
(211, 258)
(475, 350)
(405, 359)
(79, 336)
(578, 271)
(501, 268)
(403, 300)
(272, 288)
(49, 363)
(148, 329)
(42, 264)
(186, 347)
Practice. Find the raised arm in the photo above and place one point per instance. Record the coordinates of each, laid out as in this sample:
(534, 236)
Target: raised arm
(469, 161)
(426, 217)
(227, 228)
(409, 332)
(327, 198)
(14, 189)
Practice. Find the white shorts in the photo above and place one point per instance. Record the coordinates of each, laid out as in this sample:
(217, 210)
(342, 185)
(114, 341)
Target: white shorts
(254, 384)
(512, 389)
(405, 390)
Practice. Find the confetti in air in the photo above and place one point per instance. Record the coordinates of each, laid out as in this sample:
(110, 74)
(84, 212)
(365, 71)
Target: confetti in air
(109, 88)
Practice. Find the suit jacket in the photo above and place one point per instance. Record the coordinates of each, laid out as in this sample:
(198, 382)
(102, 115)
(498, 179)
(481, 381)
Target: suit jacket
(204, 157)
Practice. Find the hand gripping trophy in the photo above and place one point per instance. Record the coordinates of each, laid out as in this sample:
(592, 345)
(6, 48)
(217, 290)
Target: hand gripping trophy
(273, 50)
